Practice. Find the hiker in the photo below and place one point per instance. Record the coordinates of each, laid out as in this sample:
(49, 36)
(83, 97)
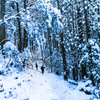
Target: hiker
(42, 69)
(36, 66)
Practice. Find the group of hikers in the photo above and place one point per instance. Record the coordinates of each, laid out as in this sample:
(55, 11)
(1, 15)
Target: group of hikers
(42, 68)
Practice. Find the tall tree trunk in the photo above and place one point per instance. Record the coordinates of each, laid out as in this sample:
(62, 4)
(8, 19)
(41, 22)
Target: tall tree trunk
(2, 29)
(25, 3)
(58, 4)
(80, 34)
(86, 22)
(19, 32)
(50, 48)
(25, 42)
(98, 25)
(63, 51)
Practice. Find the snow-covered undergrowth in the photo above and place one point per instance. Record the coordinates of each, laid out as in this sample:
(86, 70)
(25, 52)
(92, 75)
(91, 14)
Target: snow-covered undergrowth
(29, 84)
(33, 85)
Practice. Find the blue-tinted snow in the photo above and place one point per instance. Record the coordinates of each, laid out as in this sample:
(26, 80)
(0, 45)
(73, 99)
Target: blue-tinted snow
(33, 85)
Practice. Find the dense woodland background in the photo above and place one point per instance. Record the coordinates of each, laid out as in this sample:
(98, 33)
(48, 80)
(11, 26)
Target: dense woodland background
(65, 34)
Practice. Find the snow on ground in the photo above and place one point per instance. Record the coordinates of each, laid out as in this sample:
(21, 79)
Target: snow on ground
(33, 85)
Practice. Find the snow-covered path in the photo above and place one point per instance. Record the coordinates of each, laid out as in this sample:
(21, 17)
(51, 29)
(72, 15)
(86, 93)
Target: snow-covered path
(53, 87)
(33, 85)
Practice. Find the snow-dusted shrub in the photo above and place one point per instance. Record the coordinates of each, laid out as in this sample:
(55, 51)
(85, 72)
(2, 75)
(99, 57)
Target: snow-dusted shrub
(57, 62)
(27, 58)
(18, 59)
(97, 93)
(11, 51)
(86, 87)
(91, 60)
(54, 61)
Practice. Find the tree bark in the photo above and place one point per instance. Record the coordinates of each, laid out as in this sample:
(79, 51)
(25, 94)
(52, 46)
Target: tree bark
(63, 51)
(86, 22)
(19, 31)
(25, 43)
(98, 25)
(50, 49)
(2, 29)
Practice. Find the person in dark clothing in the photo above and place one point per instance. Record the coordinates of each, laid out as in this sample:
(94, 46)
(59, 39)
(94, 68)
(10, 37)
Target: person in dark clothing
(36, 66)
(42, 69)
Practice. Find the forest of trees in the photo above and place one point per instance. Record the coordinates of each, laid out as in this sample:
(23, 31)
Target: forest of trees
(65, 32)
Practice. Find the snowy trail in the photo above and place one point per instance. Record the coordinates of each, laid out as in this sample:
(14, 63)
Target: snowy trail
(33, 85)
(52, 87)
